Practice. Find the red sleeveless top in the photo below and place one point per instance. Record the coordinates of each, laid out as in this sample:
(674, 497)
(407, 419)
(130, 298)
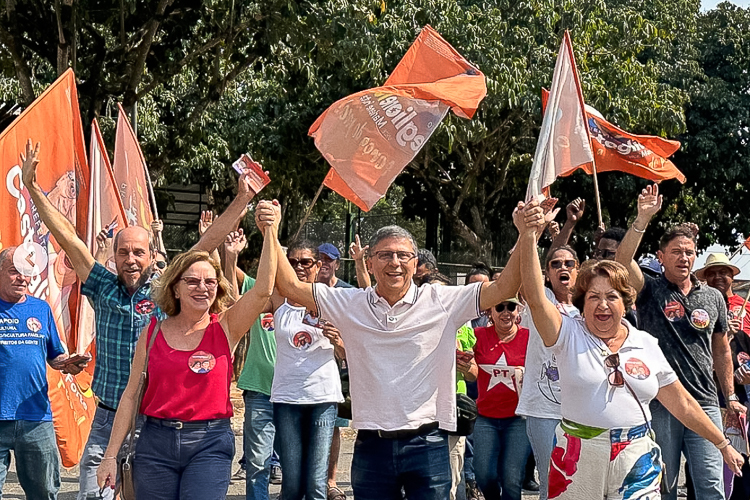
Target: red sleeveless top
(189, 385)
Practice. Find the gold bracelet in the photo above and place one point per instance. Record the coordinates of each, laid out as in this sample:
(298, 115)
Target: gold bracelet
(723, 444)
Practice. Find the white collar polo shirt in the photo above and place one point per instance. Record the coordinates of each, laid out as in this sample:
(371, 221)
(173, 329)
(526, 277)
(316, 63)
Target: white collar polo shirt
(401, 358)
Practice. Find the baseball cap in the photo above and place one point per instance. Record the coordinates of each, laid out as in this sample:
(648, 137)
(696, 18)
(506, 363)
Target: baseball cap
(329, 250)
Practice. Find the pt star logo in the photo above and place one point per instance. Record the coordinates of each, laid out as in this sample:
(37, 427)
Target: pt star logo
(500, 373)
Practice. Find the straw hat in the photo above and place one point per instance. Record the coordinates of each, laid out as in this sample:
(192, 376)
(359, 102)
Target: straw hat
(716, 260)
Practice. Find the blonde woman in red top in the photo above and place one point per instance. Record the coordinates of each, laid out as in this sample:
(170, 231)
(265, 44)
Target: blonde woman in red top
(186, 444)
(501, 446)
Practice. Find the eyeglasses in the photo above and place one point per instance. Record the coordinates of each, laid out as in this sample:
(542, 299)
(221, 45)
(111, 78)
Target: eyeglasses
(387, 256)
(306, 263)
(604, 254)
(210, 283)
(615, 377)
(510, 306)
(557, 264)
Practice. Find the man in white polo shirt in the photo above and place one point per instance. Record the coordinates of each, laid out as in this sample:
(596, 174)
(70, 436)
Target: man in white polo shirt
(401, 343)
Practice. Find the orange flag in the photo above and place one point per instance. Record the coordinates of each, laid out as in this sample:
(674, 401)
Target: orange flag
(614, 149)
(370, 136)
(106, 212)
(130, 173)
(54, 120)
(747, 243)
(563, 144)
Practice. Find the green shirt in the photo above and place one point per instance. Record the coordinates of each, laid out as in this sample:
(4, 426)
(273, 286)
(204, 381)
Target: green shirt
(467, 340)
(257, 374)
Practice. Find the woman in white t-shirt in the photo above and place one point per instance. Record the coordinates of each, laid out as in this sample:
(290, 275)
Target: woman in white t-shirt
(306, 387)
(609, 372)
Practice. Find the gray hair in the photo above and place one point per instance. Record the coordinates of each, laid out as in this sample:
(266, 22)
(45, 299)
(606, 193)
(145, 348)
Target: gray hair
(6, 253)
(387, 232)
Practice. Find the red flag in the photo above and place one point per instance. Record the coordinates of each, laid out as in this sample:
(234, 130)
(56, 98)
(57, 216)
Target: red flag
(370, 136)
(130, 173)
(747, 243)
(54, 120)
(563, 144)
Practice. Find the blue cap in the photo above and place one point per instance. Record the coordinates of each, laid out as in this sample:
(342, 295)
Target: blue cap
(650, 264)
(330, 250)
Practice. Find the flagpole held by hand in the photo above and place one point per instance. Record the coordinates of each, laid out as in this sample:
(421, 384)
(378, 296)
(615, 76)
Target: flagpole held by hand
(309, 211)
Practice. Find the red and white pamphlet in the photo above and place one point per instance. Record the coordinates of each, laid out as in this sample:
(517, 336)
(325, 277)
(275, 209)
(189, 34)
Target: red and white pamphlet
(258, 178)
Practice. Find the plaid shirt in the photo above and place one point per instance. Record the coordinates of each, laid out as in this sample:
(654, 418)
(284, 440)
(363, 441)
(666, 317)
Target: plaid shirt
(120, 317)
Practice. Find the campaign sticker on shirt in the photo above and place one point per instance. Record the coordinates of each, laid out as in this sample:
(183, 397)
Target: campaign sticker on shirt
(700, 318)
(637, 369)
(743, 357)
(302, 340)
(144, 307)
(674, 311)
(33, 324)
(266, 322)
(202, 362)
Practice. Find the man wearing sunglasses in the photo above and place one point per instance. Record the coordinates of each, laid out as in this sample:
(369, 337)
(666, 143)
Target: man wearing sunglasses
(399, 339)
(690, 321)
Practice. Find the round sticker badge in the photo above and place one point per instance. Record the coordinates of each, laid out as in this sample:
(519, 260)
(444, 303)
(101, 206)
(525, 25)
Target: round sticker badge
(637, 369)
(202, 362)
(144, 307)
(674, 311)
(266, 322)
(700, 318)
(33, 324)
(302, 340)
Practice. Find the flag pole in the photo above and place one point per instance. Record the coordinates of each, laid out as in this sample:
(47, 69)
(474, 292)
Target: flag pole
(309, 211)
(153, 205)
(596, 192)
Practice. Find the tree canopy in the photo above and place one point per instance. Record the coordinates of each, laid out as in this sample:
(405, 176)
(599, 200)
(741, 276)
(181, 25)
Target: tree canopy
(217, 78)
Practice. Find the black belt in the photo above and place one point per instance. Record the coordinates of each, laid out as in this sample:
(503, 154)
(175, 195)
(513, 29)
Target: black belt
(191, 424)
(105, 407)
(404, 433)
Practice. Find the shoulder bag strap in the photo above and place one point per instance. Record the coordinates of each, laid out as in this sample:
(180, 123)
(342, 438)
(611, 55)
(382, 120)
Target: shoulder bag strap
(141, 386)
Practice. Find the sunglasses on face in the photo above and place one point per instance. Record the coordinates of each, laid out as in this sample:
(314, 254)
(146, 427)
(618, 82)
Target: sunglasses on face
(210, 283)
(509, 306)
(615, 377)
(604, 254)
(558, 264)
(305, 263)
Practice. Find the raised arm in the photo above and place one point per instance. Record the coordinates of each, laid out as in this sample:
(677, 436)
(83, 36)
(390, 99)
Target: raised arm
(574, 212)
(240, 317)
(228, 221)
(60, 227)
(545, 315)
(649, 203)
(157, 228)
(233, 245)
(358, 253)
(103, 246)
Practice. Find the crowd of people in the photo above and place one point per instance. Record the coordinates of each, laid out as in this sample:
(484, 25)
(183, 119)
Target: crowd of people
(603, 373)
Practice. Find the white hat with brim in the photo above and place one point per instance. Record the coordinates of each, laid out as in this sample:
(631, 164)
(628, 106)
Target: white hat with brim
(716, 260)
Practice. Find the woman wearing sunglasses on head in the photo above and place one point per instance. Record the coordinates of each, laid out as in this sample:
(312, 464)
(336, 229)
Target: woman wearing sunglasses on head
(501, 446)
(186, 444)
(609, 372)
(306, 385)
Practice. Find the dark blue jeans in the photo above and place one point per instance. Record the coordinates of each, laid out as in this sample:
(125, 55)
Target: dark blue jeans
(37, 459)
(501, 448)
(184, 464)
(421, 465)
(304, 439)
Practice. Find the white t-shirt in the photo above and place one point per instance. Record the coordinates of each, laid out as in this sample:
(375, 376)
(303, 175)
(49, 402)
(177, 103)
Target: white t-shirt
(402, 359)
(588, 397)
(540, 395)
(306, 371)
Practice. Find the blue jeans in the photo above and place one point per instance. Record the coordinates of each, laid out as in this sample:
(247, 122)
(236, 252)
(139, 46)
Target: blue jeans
(420, 465)
(541, 434)
(259, 432)
(501, 449)
(305, 433)
(192, 463)
(706, 464)
(37, 459)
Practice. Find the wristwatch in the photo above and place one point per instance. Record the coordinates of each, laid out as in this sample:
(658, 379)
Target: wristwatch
(733, 397)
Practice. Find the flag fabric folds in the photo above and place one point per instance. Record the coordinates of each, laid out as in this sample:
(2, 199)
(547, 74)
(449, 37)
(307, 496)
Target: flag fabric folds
(130, 174)
(369, 137)
(563, 144)
(53, 119)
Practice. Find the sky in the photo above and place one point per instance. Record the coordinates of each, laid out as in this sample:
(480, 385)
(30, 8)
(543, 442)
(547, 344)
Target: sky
(710, 4)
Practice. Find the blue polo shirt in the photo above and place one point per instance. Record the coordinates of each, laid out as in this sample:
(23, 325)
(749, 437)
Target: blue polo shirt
(119, 319)
(28, 338)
